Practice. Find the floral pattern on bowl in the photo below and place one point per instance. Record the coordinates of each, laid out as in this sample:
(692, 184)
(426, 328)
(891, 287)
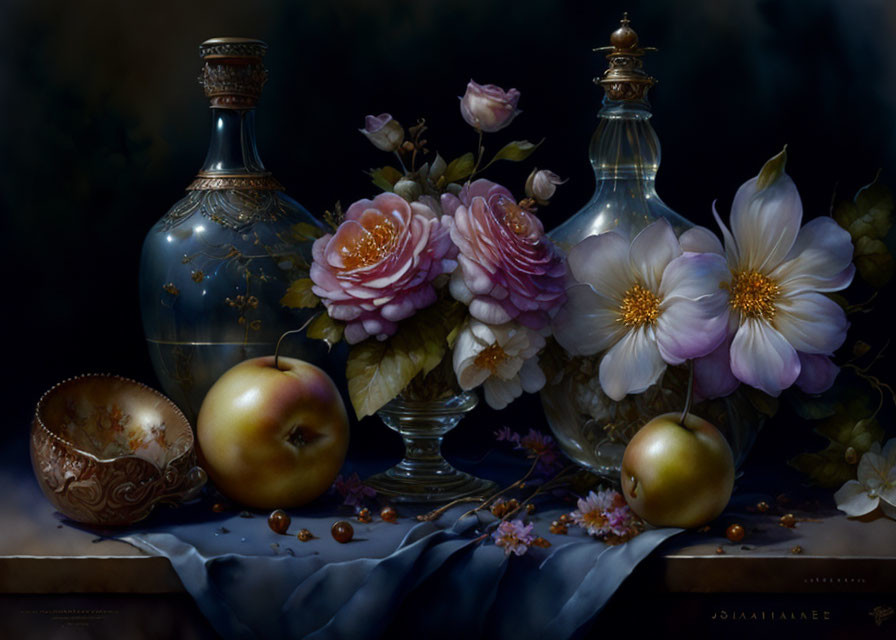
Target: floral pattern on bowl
(106, 449)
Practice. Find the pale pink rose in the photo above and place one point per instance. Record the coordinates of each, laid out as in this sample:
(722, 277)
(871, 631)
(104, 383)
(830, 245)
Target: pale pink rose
(378, 268)
(488, 107)
(383, 132)
(509, 270)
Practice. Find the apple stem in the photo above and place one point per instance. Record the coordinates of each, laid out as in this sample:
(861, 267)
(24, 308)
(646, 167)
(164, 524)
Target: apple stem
(291, 331)
(690, 396)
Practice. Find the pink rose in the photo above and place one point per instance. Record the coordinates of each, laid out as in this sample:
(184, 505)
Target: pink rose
(378, 268)
(383, 131)
(489, 107)
(509, 270)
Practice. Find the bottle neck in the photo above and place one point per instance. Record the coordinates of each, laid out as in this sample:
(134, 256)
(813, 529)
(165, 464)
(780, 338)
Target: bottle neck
(624, 146)
(232, 149)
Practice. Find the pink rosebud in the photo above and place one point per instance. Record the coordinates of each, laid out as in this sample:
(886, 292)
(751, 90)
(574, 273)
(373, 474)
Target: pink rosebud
(509, 270)
(541, 185)
(489, 107)
(384, 132)
(378, 268)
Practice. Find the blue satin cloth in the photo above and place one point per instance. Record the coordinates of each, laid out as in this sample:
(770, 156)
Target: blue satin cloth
(436, 579)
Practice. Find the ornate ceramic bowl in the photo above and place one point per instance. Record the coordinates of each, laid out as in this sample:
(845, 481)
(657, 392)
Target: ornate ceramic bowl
(106, 449)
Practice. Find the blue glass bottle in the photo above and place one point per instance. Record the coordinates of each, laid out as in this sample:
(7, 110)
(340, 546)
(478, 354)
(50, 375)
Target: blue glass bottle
(214, 269)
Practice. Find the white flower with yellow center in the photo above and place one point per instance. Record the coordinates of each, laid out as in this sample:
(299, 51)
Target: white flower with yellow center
(782, 325)
(644, 302)
(502, 358)
(876, 484)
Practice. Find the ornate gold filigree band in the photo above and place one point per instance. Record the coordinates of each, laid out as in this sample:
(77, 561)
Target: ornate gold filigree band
(261, 182)
(233, 74)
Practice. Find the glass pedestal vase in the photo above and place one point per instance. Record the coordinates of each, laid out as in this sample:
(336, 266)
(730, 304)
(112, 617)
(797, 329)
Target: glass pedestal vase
(424, 475)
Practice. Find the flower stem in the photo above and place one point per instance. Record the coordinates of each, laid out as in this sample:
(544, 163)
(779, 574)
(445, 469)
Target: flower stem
(690, 396)
(401, 162)
(480, 152)
(290, 332)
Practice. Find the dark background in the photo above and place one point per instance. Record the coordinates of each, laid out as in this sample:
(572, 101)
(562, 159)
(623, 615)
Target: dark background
(104, 125)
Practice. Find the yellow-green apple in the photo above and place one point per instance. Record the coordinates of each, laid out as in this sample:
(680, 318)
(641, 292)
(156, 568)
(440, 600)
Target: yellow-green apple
(676, 475)
(273, 436)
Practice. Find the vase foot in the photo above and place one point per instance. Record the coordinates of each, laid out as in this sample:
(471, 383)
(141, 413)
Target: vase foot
(442, 487)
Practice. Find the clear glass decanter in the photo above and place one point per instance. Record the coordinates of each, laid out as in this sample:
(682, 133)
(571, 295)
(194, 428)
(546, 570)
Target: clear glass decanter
(591, 428)
(214, 269)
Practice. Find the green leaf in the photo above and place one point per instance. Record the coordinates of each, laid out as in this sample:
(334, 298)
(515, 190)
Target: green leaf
(772, 170)
(376, 374)
(827, 468)
(385, 177)
(323, 327)
(516, 151)
(873, 260)
(305, 231)
(459, 168)
(762, 402)
(299, 295)
(875, 203)
(378, 371)
(847, 432)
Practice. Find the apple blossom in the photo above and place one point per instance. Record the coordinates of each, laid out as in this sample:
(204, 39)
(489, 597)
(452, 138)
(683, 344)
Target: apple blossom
(379, 266)
(509, 270)
(488, 107)
(502, 358)
(783, 327)
(875, 486)
(383, 132)
(644, 302)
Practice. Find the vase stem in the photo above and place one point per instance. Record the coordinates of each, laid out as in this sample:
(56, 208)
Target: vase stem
(423, 475)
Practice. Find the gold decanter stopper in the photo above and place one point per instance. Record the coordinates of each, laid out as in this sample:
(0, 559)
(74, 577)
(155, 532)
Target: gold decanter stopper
(625, 79)
(233, 74)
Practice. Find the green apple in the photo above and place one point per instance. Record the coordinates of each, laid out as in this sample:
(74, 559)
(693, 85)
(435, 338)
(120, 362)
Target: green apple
(676, 475)
(272, 437)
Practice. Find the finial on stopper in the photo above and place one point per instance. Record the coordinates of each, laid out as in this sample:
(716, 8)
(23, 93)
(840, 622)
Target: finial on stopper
(625, 79)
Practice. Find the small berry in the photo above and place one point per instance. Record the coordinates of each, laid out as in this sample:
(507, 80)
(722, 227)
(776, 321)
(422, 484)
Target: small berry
(735, 533)
(218, 507)
(762, 506)
(279, 521)
(364, 516)
(342, 531)
(389, 514)
(530, 508)
(788, 520)
(304, 535)
(541, 542)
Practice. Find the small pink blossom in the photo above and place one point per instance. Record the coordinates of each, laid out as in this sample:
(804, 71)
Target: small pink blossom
(488, 107)
(592, 510)
(514, 536)
(378, 268)
(605, 514)
(509, 270)
(353, 491)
